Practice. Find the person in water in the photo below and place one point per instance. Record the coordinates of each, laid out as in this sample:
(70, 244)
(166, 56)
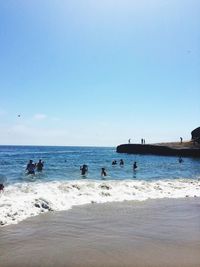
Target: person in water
(84, 169)
(103, 172)
(180, 160)
(121, 163)
(40, 165)
(30, 167)
(114, 162)
(1, 187)
(135, 166)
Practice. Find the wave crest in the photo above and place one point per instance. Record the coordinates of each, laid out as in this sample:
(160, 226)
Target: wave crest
(23, 200)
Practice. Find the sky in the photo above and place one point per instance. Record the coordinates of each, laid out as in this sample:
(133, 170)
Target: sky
(96, 73)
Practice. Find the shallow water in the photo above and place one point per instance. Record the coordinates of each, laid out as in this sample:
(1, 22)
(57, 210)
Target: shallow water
(61, 186)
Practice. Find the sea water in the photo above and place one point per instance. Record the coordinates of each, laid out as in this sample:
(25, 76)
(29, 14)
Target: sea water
(60, 186)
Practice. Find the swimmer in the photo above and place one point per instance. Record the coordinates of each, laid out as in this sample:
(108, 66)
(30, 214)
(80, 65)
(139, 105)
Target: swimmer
(30, 167)
(135, 166)
(103, 172)
(180, 160)
(40, 165)
(1, 187)
(84, 169)
(121, 163)
(114, 162)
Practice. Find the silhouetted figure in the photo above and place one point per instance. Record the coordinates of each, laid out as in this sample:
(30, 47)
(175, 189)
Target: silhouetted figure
(84, 169)
(1, 187)
(129, 141)
(30, 167)
(40, 165)
(114, 162)
(103, 172)
(181, 140)
(134, 165)
(180, 160)
(142, 141)
(121, 163)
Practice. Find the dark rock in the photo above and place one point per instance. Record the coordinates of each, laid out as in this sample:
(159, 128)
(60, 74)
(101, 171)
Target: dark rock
(105, 194)
(104, 186)
(45, 206)
(42, 204)
(37, 205)
(196, 135)
(76, 186)
(158, 150)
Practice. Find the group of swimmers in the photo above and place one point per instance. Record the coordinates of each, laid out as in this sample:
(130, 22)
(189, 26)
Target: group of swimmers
(84, 167)
(30, 168)
(121, 162)
(84, 170)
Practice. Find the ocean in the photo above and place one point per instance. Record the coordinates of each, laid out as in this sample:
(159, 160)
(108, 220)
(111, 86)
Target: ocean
(61, 186)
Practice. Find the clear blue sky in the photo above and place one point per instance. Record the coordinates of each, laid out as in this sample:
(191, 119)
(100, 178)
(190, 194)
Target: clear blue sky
(91, 72)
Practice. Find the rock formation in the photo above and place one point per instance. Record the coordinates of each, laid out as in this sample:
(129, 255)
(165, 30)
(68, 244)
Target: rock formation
(196, 135)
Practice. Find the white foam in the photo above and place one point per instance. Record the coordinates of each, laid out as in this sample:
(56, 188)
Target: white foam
(23, 200)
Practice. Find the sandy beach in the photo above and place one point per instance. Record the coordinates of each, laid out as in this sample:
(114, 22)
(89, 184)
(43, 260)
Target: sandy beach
(163, 233)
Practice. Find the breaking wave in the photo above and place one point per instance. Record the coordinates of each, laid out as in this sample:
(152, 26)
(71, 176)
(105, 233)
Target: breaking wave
(24, 200)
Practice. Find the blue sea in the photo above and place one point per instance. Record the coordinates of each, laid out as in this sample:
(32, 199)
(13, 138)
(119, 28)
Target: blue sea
(61, 186)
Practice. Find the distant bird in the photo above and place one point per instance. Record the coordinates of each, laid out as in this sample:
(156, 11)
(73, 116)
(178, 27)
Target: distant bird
(18, 115)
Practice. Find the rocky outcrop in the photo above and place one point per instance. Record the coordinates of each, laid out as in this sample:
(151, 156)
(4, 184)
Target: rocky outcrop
(158, 150)
(196, 135)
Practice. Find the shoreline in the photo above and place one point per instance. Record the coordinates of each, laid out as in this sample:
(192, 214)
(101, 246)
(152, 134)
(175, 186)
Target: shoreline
(63, 195)
(164, 233)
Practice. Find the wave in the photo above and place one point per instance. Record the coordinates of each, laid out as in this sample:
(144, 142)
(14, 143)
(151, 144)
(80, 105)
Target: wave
(24, 200)
(39, 153)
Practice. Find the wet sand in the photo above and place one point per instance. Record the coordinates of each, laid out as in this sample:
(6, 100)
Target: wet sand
(152, 233)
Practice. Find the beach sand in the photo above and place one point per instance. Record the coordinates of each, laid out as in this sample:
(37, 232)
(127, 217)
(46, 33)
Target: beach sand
(153, 233)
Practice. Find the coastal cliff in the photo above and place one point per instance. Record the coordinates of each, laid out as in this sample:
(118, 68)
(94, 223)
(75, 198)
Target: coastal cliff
(169, 149)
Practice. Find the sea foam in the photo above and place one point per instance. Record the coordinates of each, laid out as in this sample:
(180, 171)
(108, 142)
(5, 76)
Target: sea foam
(23, 200)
